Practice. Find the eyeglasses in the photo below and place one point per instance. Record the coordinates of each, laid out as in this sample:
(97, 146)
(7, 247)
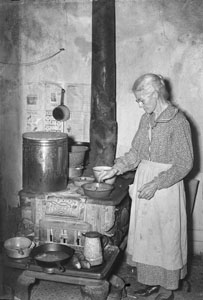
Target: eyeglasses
(139, 100)
(145, 97)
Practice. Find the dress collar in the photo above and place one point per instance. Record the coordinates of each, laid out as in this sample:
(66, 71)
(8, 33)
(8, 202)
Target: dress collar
(166, 115)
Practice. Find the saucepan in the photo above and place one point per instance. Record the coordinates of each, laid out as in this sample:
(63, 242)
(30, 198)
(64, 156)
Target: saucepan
(52, 255)
(61, 112)
(18, 247)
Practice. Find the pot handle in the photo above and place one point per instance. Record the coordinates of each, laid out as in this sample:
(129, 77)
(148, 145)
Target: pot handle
(62, 96)
(20, 251)
(60, 267)
(105, 240)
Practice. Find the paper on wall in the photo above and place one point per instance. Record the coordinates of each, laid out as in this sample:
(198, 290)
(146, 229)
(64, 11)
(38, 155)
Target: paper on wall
(78, 100)
(50, 124)
(34, 121)
(42, 98)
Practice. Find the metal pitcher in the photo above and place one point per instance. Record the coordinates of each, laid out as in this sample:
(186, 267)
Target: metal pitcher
(93, 247)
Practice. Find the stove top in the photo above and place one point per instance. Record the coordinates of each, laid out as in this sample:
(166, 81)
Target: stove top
(111, 253)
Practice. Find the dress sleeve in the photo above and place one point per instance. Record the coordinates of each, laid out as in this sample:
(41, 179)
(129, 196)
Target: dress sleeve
(183, 157)
(130, 160)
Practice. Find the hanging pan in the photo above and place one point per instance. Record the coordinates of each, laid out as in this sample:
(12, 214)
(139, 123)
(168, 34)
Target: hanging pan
(61, 112)
(52, 255)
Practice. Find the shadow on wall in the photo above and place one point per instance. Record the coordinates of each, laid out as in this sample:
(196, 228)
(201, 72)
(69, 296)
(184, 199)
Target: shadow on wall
(11, 107)
(196, 148)
(194, 132)
(190, 182)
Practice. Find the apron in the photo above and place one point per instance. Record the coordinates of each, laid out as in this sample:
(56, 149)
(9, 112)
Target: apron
(158, 228)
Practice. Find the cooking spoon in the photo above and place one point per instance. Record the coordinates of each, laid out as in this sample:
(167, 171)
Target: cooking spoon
(97, 186)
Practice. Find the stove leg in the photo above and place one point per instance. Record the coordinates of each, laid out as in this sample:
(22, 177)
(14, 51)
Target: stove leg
(22, 288)
(6, 292)
(99, 292)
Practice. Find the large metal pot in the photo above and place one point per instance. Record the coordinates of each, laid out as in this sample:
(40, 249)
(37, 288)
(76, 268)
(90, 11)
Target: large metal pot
(45, 161)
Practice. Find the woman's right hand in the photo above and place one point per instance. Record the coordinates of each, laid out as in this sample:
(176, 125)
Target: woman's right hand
(107, 174)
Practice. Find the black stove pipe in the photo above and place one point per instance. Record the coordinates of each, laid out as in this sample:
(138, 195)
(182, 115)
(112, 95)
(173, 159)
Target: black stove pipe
(103, 126)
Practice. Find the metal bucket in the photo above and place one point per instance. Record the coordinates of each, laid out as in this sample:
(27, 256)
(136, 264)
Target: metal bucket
(77, 155)
(45, 161)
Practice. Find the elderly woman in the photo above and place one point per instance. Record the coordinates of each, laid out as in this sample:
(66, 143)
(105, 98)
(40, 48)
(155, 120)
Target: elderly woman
(162, 152)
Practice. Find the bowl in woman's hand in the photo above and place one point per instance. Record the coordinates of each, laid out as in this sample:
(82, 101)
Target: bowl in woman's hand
(97, 171)
(97, 190)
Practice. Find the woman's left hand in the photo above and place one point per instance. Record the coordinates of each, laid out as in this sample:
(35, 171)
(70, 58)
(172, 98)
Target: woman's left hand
(148, 190)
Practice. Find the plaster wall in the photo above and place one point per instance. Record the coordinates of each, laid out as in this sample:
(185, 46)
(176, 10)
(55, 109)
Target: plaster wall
(163, 37)
(33, 69)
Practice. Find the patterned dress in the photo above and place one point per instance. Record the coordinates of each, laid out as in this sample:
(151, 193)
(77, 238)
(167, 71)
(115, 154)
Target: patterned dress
(157, 240)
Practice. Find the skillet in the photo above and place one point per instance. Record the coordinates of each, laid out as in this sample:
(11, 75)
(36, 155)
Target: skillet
(52, 255)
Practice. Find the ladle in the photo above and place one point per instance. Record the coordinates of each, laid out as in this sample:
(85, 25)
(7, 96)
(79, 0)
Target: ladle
(61, 112)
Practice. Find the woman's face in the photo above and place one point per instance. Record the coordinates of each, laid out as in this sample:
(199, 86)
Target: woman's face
(146, 100)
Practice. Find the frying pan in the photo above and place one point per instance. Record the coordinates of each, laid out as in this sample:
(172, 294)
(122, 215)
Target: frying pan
(52, 255)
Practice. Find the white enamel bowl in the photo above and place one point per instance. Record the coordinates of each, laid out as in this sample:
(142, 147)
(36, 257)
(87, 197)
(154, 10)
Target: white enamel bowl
(98, 169)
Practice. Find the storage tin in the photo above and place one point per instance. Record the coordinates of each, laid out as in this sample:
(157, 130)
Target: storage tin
(45, 162)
